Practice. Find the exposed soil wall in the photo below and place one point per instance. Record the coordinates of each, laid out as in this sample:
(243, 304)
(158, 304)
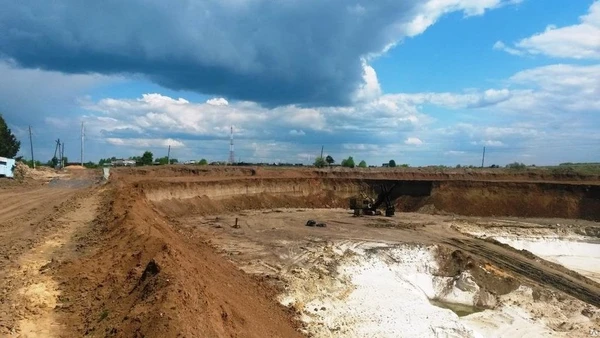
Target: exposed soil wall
(472, 198)
(179, 199)
(430, 174)
(517, 199)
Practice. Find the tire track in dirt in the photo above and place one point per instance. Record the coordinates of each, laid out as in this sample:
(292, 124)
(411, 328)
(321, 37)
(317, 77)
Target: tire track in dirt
(18, 205)
(30, 294)
(512, 260)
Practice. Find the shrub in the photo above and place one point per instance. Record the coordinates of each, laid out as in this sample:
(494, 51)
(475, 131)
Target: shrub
(516, 166)
(320, 162)
(348, 163)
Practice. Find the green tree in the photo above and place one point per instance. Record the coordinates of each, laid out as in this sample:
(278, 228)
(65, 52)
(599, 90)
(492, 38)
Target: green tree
(162, 160)
(29, 163)
(362, 164)
(516, 165)
(147, 158)
(320, 162)
(392, 164)
(9, 145)
(329, 160)
(203, 162)
(348, 162)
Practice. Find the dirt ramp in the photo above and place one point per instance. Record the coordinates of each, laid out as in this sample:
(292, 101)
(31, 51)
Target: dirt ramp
(145, 280)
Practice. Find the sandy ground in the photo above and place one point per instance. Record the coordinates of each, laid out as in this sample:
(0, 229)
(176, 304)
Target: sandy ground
(565, 242)
(155, 252)
(38, 218)
(278, 244)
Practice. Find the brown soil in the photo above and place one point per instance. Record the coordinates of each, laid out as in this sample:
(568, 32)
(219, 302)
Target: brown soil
(142, 280)
(134, 267)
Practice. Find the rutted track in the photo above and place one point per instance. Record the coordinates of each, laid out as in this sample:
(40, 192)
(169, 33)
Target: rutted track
(528, 266)
(28, 219)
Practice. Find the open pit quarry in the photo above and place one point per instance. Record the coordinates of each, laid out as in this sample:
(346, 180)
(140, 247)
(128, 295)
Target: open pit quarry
(225, 252)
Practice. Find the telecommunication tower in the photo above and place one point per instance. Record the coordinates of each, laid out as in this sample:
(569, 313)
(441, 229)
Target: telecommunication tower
(231, 150)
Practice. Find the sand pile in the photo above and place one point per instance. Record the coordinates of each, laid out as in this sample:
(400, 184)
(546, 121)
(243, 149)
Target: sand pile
(22, 172)
(74, 167)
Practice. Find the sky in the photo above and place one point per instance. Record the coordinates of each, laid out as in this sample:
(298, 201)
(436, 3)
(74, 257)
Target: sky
(423, 82)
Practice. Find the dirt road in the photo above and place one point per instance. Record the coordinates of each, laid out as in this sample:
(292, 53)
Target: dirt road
(36, 225)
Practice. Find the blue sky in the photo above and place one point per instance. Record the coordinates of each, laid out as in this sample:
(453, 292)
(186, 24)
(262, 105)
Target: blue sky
(421, 82)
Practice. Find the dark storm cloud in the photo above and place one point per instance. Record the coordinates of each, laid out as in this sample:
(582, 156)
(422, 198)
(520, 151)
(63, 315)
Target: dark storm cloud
(272, 52)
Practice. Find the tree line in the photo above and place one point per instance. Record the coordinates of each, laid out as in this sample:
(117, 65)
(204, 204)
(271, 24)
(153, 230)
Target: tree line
(321, 162)
(147, 158)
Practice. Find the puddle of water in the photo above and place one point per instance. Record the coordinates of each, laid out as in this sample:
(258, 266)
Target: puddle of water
(460, 309)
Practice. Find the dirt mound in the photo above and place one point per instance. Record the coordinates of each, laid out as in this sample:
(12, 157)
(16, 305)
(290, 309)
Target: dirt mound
(21, 171)
(74, 167)
(488, 277)
(145, 280)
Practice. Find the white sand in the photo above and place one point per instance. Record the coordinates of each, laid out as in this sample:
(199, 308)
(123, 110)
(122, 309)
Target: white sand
(386, 294)
(582, 257)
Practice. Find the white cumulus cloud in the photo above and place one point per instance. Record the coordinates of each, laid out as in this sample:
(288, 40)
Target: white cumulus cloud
(579, 41)
(217, 102)
(144, 143)
(413, 141)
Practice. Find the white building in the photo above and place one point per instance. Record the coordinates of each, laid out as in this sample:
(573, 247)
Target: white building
(6, 167)
(123, 163)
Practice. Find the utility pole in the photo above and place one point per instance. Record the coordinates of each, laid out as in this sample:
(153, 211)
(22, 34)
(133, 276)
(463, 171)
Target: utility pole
(483, 158)
(56, 149)
(31, 143)
(169, 155)
(62, 156)
(82, 136)
(322, 147)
